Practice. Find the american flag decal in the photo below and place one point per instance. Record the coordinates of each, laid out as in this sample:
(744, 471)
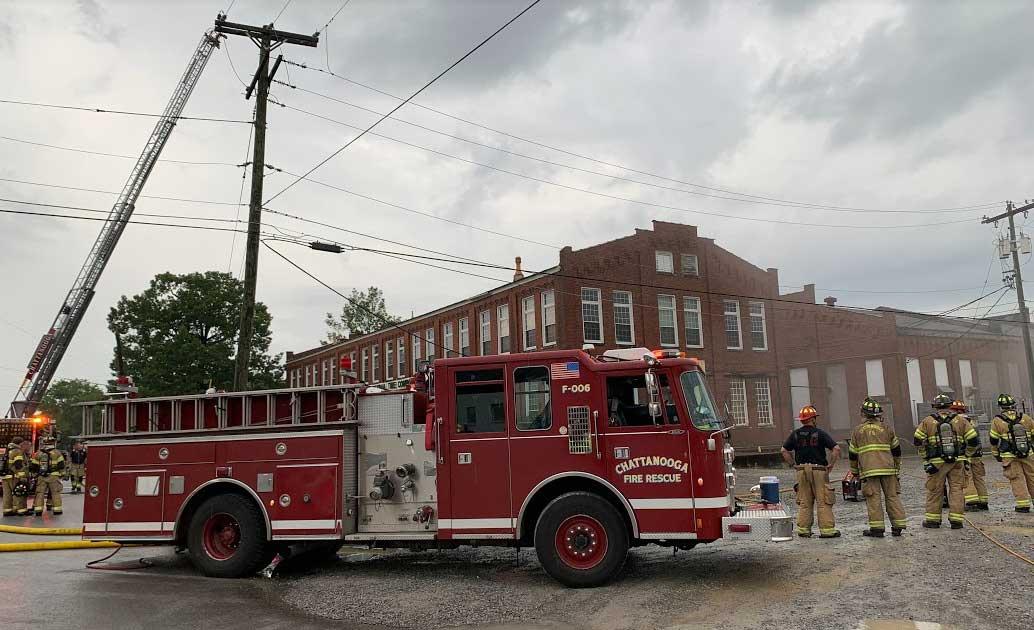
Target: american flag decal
(560, 371)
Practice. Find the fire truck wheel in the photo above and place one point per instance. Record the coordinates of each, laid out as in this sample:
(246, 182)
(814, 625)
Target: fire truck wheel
(227, 537)
(581, 540)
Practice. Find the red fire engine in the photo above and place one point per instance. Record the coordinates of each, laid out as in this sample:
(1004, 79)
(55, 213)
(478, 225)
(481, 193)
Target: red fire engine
(579, 456)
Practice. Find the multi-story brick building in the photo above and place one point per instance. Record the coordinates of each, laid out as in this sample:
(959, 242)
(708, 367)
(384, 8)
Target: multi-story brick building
(766, 354)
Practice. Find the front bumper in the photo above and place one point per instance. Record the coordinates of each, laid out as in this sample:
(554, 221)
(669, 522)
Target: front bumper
(762, 522)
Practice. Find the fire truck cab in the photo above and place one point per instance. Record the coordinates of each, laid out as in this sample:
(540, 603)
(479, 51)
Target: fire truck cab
(580, 456)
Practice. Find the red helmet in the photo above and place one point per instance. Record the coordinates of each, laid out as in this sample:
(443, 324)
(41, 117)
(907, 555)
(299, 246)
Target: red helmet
(808, 412)
(958, 406)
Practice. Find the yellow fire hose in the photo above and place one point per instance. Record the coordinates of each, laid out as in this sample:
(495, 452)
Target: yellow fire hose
(995, 541)
(41, 531)
(57, 544)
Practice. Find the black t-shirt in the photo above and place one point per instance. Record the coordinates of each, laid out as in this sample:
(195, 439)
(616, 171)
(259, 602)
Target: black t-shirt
(809, 445)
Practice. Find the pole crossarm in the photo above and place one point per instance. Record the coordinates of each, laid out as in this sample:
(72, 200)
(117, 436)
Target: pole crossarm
(259, 32)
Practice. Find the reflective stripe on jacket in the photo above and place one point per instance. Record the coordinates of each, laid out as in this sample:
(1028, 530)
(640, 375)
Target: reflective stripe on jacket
(874, 450)
(926, 435)
(1001, 436)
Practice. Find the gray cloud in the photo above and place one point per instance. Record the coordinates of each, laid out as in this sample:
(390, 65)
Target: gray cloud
(95, 24)
(912, 74)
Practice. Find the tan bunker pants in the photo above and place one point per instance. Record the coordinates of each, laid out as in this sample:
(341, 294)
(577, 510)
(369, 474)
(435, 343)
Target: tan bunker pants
(814, 495)
(886, 485)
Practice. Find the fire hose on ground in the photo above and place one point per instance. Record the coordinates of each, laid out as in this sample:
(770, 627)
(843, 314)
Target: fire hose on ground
(57, 544)
(41, 531)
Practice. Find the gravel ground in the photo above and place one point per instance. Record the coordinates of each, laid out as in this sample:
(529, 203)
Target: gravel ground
(952, 577)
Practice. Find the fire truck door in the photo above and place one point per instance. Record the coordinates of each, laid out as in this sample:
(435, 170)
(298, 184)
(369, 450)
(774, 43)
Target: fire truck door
(649, 456)
(480, 454)
(137, 502)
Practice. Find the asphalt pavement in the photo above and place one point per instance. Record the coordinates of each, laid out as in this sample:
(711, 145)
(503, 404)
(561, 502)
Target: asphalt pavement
(55, 589)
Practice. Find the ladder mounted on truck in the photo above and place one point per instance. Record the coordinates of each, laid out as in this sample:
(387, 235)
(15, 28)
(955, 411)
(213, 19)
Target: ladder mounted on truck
(55, 342)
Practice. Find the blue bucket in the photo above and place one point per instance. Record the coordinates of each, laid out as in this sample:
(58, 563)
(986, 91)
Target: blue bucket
(770, 489)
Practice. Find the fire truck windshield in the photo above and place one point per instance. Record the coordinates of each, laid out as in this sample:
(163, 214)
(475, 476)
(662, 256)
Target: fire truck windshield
(701, 407)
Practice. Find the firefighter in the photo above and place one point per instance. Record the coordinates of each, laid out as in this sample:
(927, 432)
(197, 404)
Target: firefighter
(976, 487)
(15, 474)
(875, 455)
(48, 465)
(1012, 433)
(809, 445)
(77, 466)
(945, 441)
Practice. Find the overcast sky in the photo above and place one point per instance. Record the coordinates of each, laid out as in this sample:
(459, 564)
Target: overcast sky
(877, 105)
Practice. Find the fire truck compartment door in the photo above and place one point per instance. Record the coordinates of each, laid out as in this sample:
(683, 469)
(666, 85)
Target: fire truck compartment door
(480, 456)
(307, 500)
(136, 501)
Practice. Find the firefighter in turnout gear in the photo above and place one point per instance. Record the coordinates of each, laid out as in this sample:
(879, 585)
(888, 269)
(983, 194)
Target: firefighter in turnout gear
(875, 455)
(945, 441)
(1012, 443)
(976, 486)
(48, 465)
(14, 471)
(77, 466)
(809, 445)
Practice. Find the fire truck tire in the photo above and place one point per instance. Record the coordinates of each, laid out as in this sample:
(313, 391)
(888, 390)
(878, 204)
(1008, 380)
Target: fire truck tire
(581, 540)
(227, 537)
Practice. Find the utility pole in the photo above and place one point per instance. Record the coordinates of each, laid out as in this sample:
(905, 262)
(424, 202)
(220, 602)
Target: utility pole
(267, 39)
(1010, 212)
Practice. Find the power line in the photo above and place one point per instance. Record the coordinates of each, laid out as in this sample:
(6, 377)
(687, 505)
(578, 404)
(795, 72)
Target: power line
(114, 192)
(609, 196)
(98, 110)
(964, 334)
(334, 17)
(226, 49)
(596, 160)
(115, 155)
(793, 204)
(400, 105)
(284, 8)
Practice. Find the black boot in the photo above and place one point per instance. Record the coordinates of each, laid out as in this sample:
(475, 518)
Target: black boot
(955, 525)
(931, 524)
(874, 533)
(896, 531)
(1023, 509)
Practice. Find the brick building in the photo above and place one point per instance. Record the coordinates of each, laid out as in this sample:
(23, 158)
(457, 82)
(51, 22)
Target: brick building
(766, 354)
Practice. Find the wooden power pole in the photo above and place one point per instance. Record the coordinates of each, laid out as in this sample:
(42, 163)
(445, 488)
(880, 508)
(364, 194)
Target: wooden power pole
(1014, 247)
(267, 39)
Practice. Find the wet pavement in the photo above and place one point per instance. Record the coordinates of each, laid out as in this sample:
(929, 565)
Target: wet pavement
(55, 590)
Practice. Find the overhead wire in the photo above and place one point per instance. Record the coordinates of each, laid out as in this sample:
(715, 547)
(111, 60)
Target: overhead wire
(403, 103)
(115, 155)
(794, 204)
(586, 157)
(99, 110)
(619, 198)
(282, 9)
(115, 192)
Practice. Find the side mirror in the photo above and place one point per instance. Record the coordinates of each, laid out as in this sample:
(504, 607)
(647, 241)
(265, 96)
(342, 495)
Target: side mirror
(654, 393)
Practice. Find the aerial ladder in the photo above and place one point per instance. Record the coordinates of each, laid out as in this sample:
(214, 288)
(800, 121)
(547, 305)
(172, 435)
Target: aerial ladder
(55, 342)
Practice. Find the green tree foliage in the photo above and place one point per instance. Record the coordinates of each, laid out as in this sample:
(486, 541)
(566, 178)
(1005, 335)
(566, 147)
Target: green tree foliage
(59, 401)
(180, 335)
(363, 314)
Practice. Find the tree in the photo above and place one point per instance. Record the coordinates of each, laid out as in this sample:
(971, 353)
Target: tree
(60, 399)
(363, 314)
(179, 336)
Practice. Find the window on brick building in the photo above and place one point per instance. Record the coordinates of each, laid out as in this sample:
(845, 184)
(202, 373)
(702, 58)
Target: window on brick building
(416, 352)
(485, 319)
(666, 321)
(308, 376)
(548, 318)
(431, 347)
(665, 262)
(592, 316)
(503, 323)
(351, 361)
(375, 362)
(447, 340)
(758, 332)
(389, 360)
(400, 348)
(738, 402)
(691, 321)
(689, 265)
(290, 378)
(321, 378)
(763, 396)
(364, 373)
(528, 322)
(624, 327)
(464, 338)
(733, 337)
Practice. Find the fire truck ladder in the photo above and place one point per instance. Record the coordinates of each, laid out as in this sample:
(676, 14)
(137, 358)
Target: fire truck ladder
(54, 343)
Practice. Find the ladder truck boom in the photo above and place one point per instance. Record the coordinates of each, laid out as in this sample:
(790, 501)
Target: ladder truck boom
(52, 346)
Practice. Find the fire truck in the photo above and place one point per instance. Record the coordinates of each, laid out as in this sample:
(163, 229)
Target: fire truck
(576, 455)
